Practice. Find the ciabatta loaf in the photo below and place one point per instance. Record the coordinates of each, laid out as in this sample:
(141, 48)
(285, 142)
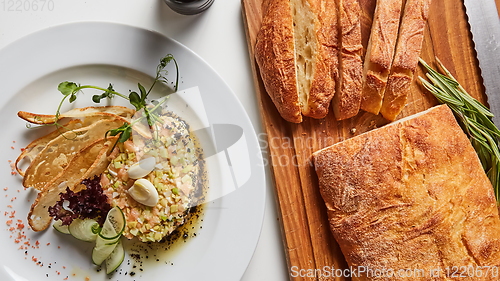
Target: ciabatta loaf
(411, 196)
(405, 63)
(379, 53)
(296, 51)
(346, 101)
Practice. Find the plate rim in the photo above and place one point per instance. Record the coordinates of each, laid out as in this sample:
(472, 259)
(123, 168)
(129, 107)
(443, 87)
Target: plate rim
(259, 165)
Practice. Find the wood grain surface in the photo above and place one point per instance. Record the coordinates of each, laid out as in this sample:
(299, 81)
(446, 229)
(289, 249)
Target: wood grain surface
(305, 230)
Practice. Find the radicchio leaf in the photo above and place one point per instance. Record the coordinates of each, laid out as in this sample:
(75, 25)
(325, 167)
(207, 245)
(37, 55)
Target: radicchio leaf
(88, 203)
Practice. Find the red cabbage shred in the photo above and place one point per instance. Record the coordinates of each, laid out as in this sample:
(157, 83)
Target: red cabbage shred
(88, 203)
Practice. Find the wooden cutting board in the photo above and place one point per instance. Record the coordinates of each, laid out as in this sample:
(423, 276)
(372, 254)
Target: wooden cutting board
(305, 231)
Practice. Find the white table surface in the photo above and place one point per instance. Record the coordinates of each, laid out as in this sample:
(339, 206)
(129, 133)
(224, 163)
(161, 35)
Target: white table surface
(217, 35)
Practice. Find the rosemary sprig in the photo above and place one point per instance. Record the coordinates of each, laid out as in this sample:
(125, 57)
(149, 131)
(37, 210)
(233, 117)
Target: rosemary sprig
(474, 117)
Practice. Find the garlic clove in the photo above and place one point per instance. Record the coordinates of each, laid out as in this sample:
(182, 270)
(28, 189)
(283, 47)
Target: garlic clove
(142, 168)
(144, 192)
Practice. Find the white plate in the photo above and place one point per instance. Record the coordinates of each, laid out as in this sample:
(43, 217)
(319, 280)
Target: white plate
(100, 53)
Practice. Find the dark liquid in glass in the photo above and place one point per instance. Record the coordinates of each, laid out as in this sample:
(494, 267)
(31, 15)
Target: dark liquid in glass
(189, 7)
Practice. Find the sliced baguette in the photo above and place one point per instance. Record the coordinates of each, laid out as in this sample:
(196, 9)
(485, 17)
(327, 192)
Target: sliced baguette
(296, 51)
(275, 55)
(380, 52)
(315, 32)
(346, 101)
(405, 63)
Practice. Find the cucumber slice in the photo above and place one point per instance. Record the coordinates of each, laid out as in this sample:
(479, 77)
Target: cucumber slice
(115, 258)
(84, 230)
(114, 225)
(110, 235)
(102, 250)
(61, 228)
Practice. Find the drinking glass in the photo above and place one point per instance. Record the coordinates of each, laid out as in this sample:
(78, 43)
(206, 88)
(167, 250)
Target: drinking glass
(189, 7)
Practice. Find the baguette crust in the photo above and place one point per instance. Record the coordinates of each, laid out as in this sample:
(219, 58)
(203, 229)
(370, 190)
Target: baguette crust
(347, 100)
(296, 51)
(275, 55)
(396, 94)
(411, 195)
(326, 59)
(406, 58)
(380, 53)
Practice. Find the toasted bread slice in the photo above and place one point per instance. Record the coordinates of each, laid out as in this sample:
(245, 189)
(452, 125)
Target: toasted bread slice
(88, 162)
(91, 111)
(405, 63)
(58, 152)
(36, 146)
(380, 52)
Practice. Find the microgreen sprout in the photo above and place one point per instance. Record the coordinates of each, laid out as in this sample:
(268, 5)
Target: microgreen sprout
(70, 90)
